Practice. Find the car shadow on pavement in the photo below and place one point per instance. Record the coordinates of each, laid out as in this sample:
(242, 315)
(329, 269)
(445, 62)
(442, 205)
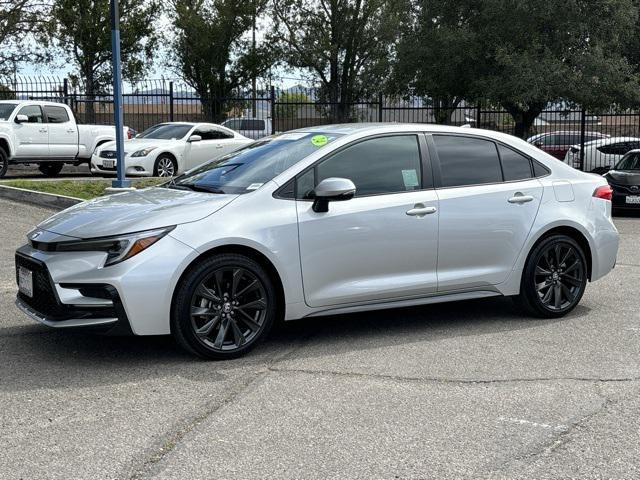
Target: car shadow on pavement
(33, 357)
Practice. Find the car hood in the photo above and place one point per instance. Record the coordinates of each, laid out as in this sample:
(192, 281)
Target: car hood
(135, 144)
(622, 177)
(134, 211)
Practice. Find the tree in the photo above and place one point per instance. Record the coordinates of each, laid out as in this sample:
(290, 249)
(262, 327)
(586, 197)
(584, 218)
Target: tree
(345, 44)
(83, 34)
(210, 50)
(543, 51)
(23, 25)
(438, 55)
(289, 103)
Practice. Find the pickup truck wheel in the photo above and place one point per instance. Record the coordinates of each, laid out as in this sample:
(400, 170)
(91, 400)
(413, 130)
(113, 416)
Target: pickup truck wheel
(50, 169)
(4, 163)
(165, 166)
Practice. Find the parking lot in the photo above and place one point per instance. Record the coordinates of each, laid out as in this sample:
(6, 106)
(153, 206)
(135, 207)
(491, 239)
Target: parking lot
(466, 390)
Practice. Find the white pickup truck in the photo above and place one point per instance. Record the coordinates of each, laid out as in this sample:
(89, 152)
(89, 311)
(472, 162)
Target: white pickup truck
(46, 133)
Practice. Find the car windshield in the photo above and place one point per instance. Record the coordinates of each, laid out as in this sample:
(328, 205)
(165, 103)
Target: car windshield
(254, 165)
(166, 131)
(5, 110)
(629, 162)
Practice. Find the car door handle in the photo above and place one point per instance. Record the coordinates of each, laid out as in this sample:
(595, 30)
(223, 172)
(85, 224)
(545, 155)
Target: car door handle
(419, 210)
(519, 197)
(219, 146)
(71, 130)
(43, 130)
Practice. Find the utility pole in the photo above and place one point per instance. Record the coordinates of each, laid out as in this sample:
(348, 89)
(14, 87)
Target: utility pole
(120, 181)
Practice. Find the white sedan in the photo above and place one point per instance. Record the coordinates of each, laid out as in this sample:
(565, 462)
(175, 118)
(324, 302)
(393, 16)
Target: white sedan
(323, 221)
(168, 149)
(601, 153)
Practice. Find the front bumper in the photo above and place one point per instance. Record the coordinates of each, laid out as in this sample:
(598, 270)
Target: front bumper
(140, 166)
(95, 306)
(74, 289)
(619, 199)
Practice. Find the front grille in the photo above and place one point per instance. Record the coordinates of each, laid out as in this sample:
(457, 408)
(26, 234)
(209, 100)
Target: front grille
(45, 300)
(108, 154)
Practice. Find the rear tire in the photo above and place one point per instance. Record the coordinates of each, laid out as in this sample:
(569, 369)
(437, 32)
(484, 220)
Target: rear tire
(223, 307)
(50, 169)
(554, 278)
(4, 163)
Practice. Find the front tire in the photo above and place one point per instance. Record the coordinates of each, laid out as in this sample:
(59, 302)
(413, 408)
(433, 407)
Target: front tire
(165, 166)
(50, 169)
(223, 307)
(4, 163)
(554, 278)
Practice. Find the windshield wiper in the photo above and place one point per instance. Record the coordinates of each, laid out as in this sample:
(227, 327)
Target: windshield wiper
(195, 187)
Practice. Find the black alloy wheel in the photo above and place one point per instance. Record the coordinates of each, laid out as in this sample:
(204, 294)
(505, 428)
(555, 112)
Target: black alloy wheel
(554, 278)
(224, 307)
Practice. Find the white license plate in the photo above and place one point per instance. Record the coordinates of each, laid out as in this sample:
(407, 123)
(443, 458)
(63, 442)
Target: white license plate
(635, 199)
(108, 163)
(25, 281)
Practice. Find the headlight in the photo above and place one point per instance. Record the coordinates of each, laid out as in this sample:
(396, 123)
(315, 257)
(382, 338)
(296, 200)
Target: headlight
(144, 152)
(118, 248)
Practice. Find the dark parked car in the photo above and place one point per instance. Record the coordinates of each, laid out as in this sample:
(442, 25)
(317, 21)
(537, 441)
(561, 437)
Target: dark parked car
(624, 179)
(558, 143)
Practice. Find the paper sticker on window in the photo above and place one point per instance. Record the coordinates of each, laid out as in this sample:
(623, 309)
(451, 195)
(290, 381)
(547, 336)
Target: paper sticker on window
(410, 178)
(319, 140)
(254, 186)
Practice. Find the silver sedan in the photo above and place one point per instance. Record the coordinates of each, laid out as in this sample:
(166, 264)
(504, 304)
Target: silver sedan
(325, 220)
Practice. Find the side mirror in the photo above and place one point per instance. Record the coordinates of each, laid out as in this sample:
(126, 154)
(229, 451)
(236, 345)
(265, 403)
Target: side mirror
(194, 138)
(538, 144)
(22, 119)
(332, 190)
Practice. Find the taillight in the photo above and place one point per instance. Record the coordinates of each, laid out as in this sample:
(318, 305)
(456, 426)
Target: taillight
(604, 192)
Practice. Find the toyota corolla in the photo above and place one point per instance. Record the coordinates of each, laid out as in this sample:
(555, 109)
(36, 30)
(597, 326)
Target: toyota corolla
(320, 221)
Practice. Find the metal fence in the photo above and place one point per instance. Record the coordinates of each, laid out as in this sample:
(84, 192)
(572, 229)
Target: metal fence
(565, 130)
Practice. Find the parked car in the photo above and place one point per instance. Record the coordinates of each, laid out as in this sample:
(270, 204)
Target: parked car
(47, 134)
(250, 127)
(624, 179)
(601, 154)
(558, 143)
(168, 149)
(321, 221)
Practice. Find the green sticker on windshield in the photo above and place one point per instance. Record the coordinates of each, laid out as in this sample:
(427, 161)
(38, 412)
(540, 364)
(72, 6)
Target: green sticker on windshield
(319, 140)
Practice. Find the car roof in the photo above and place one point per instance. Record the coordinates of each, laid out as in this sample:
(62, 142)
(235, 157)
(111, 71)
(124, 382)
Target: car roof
(38, 102)
(610, 140)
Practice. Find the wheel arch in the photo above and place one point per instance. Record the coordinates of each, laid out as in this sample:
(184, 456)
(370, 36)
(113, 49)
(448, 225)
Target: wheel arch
(246, 251)
(170, 154)
(6, 146)
(573, 233)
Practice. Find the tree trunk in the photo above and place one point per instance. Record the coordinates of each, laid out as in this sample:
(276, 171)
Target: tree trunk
(213, 107)
(524, 116)
(90, 99)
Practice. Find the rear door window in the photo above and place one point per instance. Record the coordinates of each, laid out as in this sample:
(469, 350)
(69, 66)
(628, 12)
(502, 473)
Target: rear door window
(515, 166)
(252, 125)
(56, 114)
(467, 160)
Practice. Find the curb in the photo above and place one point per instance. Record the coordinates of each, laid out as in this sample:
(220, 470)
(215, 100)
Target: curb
(48, 200)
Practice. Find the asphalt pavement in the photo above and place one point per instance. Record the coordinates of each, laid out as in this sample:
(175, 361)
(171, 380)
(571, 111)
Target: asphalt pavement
(464, 390)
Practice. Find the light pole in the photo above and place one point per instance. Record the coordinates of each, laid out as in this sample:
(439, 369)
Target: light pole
(120, 181)
(253, 53)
